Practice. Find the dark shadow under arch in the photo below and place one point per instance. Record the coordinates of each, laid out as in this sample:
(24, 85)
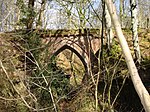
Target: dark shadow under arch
(97, 53)
(73, 50)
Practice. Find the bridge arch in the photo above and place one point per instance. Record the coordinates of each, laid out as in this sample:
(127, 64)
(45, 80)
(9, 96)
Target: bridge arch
(74, 51)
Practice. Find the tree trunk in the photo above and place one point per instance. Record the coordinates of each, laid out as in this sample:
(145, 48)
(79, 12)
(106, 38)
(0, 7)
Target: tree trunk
(134, 21)
(121, 12)
(140, 89)
(41, 14)
(109, 32)
(31, 15)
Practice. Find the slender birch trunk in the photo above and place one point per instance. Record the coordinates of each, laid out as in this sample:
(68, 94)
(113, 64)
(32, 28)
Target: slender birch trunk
(134, 21)
(139, 87)
(109, 32)
(121, 12)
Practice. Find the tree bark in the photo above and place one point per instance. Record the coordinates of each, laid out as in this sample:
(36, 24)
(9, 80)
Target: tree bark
(139, 87)
(121, 11)
(31, 15)
(109, 32)
(41, 14)
(134, 21)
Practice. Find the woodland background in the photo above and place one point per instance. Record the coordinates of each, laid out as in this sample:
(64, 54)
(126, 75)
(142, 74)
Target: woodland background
(32, 81)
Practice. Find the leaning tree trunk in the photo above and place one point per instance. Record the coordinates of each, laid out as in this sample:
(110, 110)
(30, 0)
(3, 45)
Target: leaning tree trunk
(134, 20)
(140, 89)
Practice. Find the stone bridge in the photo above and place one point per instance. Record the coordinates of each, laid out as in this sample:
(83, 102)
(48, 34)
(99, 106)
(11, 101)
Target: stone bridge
(84, 43)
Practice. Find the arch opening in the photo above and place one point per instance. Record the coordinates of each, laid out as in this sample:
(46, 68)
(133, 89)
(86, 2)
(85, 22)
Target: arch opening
(76, 66)
(74, 51)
